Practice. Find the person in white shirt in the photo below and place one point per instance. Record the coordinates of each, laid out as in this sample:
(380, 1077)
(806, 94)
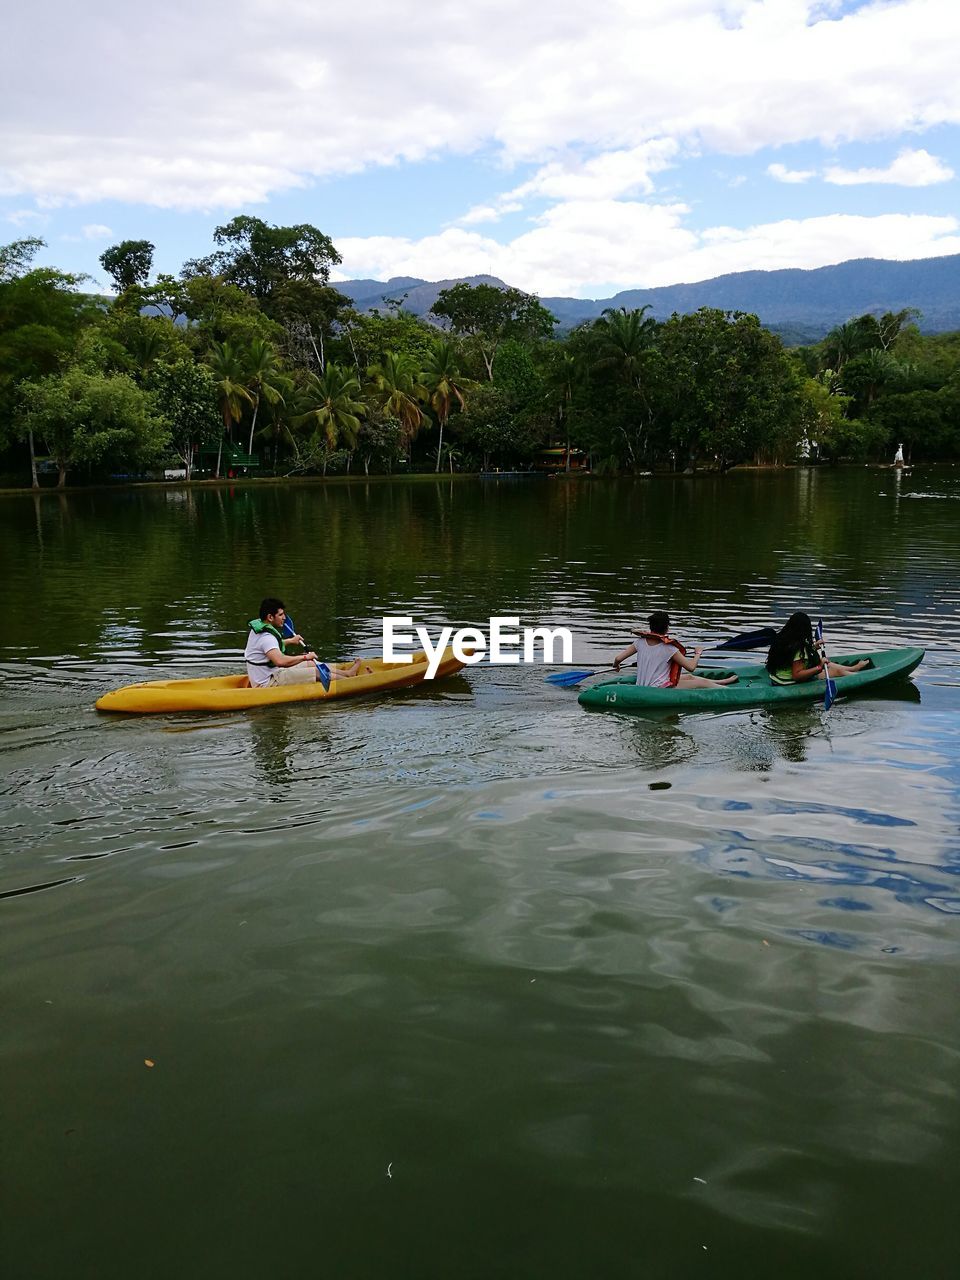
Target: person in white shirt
(662, 662)
(268, 662)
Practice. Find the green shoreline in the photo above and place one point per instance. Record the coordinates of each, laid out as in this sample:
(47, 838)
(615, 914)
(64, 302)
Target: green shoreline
(422, 477)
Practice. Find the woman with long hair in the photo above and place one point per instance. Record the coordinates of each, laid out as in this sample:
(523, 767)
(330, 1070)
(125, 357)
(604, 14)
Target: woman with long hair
(793, 655)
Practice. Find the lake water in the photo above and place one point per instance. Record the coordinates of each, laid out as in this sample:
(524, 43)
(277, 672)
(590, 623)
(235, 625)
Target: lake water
(468, 981)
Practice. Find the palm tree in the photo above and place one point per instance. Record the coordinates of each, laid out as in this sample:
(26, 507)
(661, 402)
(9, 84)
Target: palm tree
(452, 455)
(563, 378)
(398, 389)
(263, 372)
(146, 346)
(873, 370)
(281, 418)
(333, 405)
(230, 375)
(841, 343)
(444, 383)
(624, 336)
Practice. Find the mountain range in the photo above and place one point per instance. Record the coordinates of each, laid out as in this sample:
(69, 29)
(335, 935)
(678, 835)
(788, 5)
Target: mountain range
(801, 306)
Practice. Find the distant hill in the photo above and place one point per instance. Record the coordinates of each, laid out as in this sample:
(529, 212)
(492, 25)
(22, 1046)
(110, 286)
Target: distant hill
(799, 305)
(418, 295)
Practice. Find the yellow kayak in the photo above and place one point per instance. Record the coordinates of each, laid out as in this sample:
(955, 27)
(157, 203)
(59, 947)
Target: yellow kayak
(233, 693)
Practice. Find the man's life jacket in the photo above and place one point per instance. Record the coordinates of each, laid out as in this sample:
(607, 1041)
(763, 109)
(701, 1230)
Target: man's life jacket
(675, 667)
(258, 626)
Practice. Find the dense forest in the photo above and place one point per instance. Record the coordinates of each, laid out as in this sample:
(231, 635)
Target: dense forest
(251, 361)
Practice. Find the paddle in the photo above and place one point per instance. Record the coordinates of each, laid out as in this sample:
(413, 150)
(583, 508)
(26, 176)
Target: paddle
(745, 640)
(830, 692)
(323, 671)
(567, 679)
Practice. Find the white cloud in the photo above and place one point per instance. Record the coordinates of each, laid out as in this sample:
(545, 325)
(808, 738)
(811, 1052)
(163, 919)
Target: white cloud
(582, 244)
(783, 174)
(200, 113)
(910, 169)
(93, 231)
(574, 244)
(603, 177)
(820, 241)
(489, 212)
(27, 218)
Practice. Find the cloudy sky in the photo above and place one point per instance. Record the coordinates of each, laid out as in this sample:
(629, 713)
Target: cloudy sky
(568, 148)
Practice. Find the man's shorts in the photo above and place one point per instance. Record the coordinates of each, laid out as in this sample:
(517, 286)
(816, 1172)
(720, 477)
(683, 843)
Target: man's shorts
(302, 673)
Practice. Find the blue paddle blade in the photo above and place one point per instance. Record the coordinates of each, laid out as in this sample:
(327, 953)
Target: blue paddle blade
(829, 694)
(288, 628)
(323, 673)
(564, 678)
(760, 639)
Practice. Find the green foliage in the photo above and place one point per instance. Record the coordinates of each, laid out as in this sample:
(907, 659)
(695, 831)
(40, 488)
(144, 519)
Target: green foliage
(563, 381)
(398, 391)
(489, 432)
(622, 340)
(489, 314)
(441, 375)
(263, 342)
(866, 375)
(128, 263)
(264, 378)
(822, 414)
(310, 314)
(928, 360)
(364, 340)
(148, 339)
(852, 439)
(515, 373)
(260, 259)
(97, 351)
(41, 317)
(380, 442)
(727, 386)
(185, 395)
(87, 418)
(885, 382)
(445, 385)
(222, 312)
(333, 407)
(15, 258)
(229, 369)
(926, 422)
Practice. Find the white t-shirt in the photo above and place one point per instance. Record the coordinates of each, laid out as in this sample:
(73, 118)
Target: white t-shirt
(653, 663)
(258, 646)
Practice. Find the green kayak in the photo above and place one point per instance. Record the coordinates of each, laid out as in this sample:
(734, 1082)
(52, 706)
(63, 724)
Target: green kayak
(753, 689)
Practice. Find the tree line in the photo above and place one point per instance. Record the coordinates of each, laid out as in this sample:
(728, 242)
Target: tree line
(252, 357)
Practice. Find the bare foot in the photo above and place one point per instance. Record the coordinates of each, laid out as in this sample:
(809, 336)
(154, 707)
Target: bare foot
(340, 672)
(861, 665)
(729, 680)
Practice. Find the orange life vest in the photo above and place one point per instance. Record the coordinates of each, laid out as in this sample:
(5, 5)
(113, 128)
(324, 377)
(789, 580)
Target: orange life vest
(675, 667)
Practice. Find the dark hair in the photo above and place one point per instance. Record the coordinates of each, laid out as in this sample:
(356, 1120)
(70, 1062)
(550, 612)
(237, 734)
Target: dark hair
(795, 636)
(270, 605)
(659, 622)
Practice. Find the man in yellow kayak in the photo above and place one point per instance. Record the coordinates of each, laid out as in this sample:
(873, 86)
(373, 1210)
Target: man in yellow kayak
(268, 662)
